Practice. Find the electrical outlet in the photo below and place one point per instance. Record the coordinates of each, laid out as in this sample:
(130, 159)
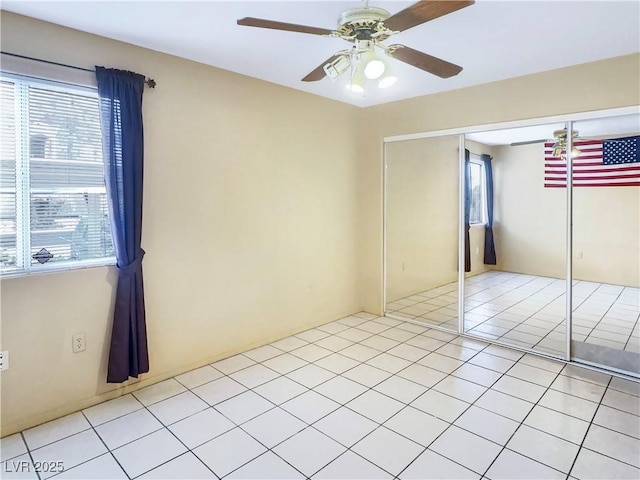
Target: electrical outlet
(79, 344)
(4, 360)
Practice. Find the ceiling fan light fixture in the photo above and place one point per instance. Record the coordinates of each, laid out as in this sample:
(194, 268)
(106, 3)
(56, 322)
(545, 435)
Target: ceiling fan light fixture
(558, 149)
(387, 79)
(575, 152)
(358, 81)
(365, 53)
(355, 88)
(374, 69)
(337, 67)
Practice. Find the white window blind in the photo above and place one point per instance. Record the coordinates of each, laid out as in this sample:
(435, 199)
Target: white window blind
(53, 199)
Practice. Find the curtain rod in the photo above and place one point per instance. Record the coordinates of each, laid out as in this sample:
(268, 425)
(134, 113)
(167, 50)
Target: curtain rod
(480, 154)
(150, 82)
(477, 154)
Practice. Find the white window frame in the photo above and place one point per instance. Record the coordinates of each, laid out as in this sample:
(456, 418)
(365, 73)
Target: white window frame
(477, 160)
(23, 266)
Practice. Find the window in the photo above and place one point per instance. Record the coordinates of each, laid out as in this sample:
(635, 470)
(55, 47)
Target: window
(53, 203)
(477, 212)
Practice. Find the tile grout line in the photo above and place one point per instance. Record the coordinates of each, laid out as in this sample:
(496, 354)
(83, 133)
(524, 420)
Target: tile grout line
(105, 446)
(379, 425)
(307, 425)
(368, 389)
(24, 440)
(383, 380)
(545, 350)
(166, 427)
(463, 412)
(504, 447)
(309, 343)
(477, 434)
(429, 388)
(519, 302)
(505, 309)
(635, 325)
(143, 406)
(573, 464)
(496, 337)
(406, 405)
(391, 374)
(604, 314)
(91, 428)
(311, 425)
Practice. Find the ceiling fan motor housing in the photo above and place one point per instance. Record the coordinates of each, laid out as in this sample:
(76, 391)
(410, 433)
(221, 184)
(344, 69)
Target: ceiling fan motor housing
(562, 134)
(361, 23)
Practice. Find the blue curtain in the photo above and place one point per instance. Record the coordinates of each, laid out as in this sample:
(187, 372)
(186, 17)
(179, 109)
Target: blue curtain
(467, 211)
(122, 138)
(489, 246)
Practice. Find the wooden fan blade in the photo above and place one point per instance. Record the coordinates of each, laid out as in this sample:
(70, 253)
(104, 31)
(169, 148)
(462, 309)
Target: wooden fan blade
(289, 27)
(529, 142)
(424, 11)
(319, 73)
(428, 63)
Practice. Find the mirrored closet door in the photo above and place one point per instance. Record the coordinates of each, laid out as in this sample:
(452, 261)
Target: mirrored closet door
(606, 243)
(543, 220)
(421, 218)
(515, 280)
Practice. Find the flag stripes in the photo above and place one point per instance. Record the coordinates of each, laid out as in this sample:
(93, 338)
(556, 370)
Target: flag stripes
(589, 169)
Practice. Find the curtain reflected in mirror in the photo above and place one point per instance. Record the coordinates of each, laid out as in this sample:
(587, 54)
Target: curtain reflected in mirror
(515, 248)
(422, 230)
(606, 243)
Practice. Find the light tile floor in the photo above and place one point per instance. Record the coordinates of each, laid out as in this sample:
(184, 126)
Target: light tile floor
(361, 397)
(529, 311)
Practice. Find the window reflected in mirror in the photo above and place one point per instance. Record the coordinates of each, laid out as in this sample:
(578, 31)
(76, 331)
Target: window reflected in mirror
(515, 241)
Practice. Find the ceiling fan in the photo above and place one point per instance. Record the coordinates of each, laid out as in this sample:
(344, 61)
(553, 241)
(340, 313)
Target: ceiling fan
(560, 142)
(367, 27)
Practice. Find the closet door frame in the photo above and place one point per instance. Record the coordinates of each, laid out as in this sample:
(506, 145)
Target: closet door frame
(568, 119)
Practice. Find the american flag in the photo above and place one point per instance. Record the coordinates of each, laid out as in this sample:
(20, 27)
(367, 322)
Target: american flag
(601, 163)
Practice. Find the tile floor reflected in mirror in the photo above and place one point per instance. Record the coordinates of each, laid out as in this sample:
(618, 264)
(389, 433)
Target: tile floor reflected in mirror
(529, 311)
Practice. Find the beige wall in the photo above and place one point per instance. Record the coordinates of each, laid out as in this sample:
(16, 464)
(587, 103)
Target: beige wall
(530, 223)
(250, 229)
(422, 215)
(529, 220)
(606, 235)
(594, 86)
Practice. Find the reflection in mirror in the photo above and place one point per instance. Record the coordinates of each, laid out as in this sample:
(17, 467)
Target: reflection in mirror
(515, 282)
(606, 243)
(422, 230)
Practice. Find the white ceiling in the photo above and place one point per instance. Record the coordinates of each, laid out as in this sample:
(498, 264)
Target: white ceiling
(622, 125)
(492, 40)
